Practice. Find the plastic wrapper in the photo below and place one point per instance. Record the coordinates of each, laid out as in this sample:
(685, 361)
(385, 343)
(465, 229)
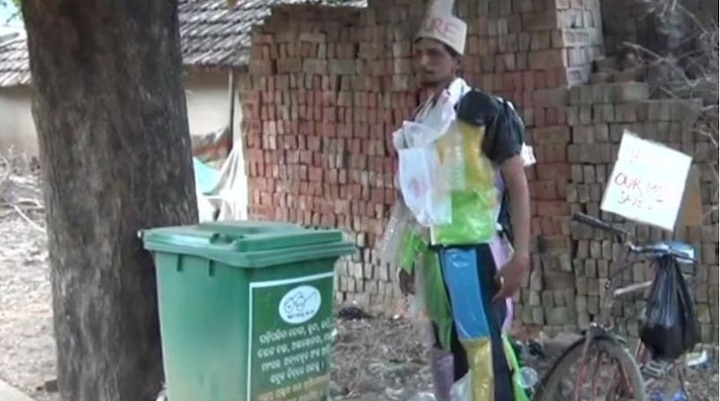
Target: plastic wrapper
(416, 135)
(528, 155)
(423, 396)
(442, 114)
(670, 328)
(519, 385)
(443, 373)
(473, 208)
(462, 390)
(397, 229)
(420, 176)
(502, 253)
(465, 389)
(402, 240)
(420, 303)
(418, 310)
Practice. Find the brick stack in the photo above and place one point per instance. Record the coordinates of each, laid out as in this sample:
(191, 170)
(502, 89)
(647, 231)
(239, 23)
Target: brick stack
(327, 86)
(597, 115)
(515, 48)
(524, 51)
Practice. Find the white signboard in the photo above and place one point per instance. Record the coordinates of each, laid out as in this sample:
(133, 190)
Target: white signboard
(647, 182)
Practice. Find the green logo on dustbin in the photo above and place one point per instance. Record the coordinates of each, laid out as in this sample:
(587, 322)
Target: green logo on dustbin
(300, 304)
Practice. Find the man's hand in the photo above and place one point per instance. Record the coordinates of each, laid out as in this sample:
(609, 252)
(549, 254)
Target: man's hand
(407, 282)
(511, 276)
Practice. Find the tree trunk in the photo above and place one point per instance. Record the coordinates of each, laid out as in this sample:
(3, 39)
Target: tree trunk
(109, 108)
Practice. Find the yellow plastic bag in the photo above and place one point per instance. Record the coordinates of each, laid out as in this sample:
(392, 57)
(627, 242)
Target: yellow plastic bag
(473, 195)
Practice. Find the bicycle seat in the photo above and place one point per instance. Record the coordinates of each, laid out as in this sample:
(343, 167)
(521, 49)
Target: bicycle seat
(662, 248)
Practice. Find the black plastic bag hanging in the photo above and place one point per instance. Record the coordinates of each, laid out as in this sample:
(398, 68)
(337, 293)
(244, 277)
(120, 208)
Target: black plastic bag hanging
(670, 328)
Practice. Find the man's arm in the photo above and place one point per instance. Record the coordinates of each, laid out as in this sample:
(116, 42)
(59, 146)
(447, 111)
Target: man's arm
(507, 150)
(513, 171)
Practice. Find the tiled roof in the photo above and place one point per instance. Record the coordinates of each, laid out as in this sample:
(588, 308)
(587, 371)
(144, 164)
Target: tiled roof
(14, 61)
(211, 33)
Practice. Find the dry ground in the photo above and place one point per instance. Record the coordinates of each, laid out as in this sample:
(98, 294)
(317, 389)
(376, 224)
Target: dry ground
(377, 359)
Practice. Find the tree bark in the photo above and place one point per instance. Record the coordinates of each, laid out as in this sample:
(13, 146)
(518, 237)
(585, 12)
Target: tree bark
(110, 112)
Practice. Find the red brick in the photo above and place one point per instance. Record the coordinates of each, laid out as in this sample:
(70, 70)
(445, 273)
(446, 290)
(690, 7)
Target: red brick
(552, 208)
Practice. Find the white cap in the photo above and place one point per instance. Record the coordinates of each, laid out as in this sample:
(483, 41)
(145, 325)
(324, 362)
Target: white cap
(441, 25)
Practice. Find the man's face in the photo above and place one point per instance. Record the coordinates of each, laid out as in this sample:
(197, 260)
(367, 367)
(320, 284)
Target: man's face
(435, 65)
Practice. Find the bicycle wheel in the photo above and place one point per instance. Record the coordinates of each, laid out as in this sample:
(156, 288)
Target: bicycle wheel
(624, 382)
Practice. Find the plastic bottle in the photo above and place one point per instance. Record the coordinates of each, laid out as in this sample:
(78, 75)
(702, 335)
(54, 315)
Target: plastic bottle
(455, 160)
(528, 378)
(680, 396)
(658, 397)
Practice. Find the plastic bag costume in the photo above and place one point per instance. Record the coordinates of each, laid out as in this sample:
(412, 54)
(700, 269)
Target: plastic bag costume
(446, 230)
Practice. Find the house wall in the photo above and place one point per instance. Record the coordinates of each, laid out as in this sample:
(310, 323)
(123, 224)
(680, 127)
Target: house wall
(207, 101)
(327, 86)
(17, 129)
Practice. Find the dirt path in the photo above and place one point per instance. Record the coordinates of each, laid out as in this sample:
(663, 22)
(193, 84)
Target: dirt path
(27, 348)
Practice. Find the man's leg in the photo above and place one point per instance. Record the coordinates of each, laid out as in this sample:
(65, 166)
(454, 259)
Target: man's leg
(496, 313)
(469, 274)
(448, 366)
(459, 356)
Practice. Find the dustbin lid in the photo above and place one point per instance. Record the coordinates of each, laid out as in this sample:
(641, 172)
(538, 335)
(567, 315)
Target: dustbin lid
(248, 244)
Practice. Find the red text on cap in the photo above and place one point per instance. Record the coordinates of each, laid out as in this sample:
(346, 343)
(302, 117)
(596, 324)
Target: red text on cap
(442, 27)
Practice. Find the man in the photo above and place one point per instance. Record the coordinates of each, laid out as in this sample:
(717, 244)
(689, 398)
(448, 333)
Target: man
(468, 277)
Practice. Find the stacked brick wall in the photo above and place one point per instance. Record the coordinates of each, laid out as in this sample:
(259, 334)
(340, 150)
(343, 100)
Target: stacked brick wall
(567, 294)
(327, 86)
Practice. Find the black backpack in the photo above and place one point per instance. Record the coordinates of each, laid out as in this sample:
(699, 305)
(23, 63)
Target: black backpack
(485, 109)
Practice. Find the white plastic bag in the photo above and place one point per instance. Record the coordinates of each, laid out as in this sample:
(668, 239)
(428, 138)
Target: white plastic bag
(206, 210)
(442, 113)
(434, 124)
(461, 390)
(415, 135)
(418, 180)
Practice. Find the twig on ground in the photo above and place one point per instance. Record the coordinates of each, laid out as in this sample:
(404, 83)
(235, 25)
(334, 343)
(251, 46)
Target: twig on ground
(5, 178)
(27, 219)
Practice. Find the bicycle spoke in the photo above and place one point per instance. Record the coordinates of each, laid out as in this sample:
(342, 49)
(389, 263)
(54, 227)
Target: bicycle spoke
(597, 377)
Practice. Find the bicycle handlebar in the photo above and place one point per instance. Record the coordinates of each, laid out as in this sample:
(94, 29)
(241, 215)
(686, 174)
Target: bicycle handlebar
(651, 249)
(599, 224)
(661, 251)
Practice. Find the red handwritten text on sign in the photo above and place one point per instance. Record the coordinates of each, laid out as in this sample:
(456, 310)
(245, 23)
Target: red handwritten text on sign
(639, 193)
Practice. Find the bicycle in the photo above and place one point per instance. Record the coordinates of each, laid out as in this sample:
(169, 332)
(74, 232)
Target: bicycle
(600, 339)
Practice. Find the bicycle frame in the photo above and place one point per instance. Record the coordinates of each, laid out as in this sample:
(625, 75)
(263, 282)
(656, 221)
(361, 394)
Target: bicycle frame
(602, 326)
(618, 265)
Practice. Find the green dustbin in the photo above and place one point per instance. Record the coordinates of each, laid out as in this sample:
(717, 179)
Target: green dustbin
(246, 309)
